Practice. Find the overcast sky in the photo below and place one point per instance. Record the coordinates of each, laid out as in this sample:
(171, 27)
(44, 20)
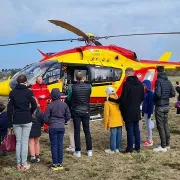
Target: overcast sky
(24, 20)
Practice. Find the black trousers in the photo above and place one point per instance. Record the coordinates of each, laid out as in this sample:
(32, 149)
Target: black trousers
(79, 117)
(161, 115)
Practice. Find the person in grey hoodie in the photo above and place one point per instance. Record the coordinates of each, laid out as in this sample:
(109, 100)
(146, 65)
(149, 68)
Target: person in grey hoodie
(56, 115)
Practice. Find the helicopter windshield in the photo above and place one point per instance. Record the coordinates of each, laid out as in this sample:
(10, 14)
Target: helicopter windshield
(32, 71)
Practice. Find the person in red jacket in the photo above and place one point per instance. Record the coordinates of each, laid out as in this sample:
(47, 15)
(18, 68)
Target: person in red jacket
(41, 92)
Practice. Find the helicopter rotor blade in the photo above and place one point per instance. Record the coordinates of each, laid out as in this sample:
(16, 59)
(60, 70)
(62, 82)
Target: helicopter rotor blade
(139, 34)
(96, 38)
(46, 41)
(69, 27)
(97, 43)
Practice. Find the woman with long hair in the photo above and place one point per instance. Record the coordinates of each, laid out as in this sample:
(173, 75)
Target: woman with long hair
(21, 106)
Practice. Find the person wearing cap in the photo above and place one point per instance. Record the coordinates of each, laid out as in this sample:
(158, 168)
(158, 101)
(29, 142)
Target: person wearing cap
(164, 90)
(113, 122)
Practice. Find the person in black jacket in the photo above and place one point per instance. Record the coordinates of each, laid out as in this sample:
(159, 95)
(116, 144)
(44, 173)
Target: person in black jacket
(164, 90)
(131, 98)
(37, 123)
(178, 91)
(21, 106)
(79, 95)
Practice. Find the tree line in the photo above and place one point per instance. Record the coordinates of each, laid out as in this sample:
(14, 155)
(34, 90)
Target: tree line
(5, 73)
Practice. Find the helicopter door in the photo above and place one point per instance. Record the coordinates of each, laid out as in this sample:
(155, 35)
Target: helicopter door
(101, 78)
(118, 80)
(52, 77)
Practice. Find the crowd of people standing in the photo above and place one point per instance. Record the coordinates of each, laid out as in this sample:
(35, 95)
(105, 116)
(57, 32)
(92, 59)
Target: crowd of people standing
(30, 109)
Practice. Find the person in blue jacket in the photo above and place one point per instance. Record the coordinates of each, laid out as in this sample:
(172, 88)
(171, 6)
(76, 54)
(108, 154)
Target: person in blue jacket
(147, 111)
(3, 125)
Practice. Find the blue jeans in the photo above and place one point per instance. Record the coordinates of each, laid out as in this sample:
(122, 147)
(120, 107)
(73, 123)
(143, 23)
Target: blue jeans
(133, 131)
(116, 138)
(22, 132)
(56, 137)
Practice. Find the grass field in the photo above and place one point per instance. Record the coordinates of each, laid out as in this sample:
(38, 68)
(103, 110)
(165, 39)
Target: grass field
(146, 165)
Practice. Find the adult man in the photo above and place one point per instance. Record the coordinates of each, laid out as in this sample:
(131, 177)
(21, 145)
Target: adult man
(79, 96)
(163, 91)
(131, 98)
(41, 92)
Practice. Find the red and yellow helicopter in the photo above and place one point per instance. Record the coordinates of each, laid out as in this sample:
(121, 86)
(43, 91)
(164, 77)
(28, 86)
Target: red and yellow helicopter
(102, 66)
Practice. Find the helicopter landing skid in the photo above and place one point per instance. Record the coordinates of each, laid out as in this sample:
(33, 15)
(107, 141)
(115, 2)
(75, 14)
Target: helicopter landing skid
(97, 117)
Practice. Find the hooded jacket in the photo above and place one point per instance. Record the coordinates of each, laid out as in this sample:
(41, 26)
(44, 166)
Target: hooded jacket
(131, 98)
(164, 90)
(112, 114)
(148, 104)
(39, 90)
(57, 113)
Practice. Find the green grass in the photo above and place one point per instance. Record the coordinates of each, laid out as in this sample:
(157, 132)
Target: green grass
(144, 166)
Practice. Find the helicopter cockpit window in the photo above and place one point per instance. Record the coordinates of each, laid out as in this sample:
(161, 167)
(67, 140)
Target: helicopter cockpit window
(53, 74)
(32, 71)
(99, 74)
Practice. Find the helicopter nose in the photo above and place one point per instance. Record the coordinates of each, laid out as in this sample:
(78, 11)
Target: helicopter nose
(5, 88)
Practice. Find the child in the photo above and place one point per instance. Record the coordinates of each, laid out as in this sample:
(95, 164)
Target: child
(37, 123)
(113, 121)
(147, 111)
(3, 125)
(56, 115)
(71, 147)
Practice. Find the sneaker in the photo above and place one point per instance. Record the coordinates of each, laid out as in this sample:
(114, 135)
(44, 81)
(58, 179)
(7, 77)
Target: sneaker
(160, 149)
(77, 154)
(37, 159)
(108, 151)
(54, 167)
(25, 167)
(60, 166)
(32, 159)
(168, 147)
(18, 167)
(89, 153)
(117, 151)
(138, 151)
(70, 149)
(127, 151)
(148, 143)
